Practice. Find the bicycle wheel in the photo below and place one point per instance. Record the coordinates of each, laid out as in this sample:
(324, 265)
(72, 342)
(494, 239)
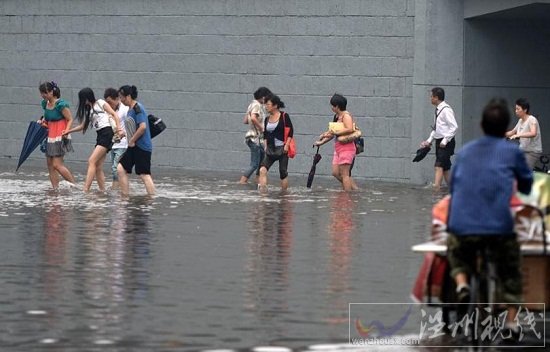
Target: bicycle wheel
(481, 310)
(471, 324)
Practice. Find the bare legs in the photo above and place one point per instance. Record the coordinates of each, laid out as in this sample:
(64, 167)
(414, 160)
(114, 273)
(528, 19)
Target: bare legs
(56, 167)
(149, 185)
(123, 180)
(262, 182)
(54, 176)
(284, 184)
(95, 169)
(439, 176)
(342, 174)
(125, 186)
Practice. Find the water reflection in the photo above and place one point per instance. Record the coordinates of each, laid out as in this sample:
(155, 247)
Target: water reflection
(112, 255)
(55, 262)
(136, 233)
(204, 265)
(341, 231)
(55, 257)
(270, 241)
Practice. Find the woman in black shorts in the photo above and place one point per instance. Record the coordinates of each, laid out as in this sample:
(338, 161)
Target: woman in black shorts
(276, 147)
(97, 114)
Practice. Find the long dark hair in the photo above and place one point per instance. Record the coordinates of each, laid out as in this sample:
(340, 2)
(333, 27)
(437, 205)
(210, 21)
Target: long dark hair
(275, 100)
(51, 86)
(84, 110)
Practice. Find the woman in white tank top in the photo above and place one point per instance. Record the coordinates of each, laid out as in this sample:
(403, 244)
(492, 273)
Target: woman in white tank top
(96, 113)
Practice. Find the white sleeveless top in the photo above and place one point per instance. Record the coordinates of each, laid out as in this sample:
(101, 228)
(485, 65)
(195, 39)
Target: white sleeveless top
(98, 117)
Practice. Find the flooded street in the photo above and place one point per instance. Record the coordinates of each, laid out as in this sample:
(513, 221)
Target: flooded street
(206, 264)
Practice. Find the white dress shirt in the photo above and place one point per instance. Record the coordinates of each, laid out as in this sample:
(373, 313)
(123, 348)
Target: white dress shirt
(445, 124)
(122, 112)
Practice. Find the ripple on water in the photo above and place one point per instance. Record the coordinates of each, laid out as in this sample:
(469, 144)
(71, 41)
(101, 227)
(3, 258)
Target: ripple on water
(48, 341)
(271, 349)
(37, 312)
(104, 342)
(120, 257)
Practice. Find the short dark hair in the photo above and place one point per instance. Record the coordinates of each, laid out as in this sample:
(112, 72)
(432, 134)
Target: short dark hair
(110, 93)
(340, 101)
(523, 103)
(131, 91)
(261, 92)
(275, 100)
(439, 93)
(495, 118)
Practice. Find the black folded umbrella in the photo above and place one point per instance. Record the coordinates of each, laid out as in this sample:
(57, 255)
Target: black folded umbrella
(316, 160)
(35, 135)
(421, 153)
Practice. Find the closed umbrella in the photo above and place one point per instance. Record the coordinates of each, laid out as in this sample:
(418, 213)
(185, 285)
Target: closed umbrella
(316, 160)
(36, 133)
(421, 153)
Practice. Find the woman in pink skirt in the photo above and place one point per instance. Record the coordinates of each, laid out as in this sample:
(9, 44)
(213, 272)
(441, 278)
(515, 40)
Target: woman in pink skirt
(344, 153)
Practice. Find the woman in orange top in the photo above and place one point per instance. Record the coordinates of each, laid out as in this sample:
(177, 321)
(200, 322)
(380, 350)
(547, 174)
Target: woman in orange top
(57, 118)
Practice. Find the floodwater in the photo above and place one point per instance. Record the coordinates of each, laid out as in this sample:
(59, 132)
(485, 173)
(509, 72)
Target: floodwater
(206, 264)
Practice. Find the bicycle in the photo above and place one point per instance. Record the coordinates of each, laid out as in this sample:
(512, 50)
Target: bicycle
(482, 305)
(485, 284)
(543, 161)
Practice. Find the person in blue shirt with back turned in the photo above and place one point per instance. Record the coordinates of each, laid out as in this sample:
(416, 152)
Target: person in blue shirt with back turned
(483, 181)
(140, 146)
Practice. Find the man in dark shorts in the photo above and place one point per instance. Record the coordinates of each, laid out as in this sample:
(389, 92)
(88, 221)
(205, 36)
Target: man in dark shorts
(443, 132)
(140, 147)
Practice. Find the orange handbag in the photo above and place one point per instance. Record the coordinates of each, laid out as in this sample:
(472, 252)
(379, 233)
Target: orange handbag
(292, 144)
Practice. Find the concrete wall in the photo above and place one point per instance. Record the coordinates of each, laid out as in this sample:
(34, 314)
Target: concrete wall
(474, 8)
(438, 61)
(500, 50)
(196, 64)
(506, 57)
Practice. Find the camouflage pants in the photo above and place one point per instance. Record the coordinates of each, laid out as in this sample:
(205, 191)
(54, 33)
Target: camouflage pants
(504, 252)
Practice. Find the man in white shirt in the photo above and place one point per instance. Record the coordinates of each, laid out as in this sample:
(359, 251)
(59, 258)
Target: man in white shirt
(443, 132)
(120, 146)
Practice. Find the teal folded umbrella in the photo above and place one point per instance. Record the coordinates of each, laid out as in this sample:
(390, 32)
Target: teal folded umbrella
(36, 133)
